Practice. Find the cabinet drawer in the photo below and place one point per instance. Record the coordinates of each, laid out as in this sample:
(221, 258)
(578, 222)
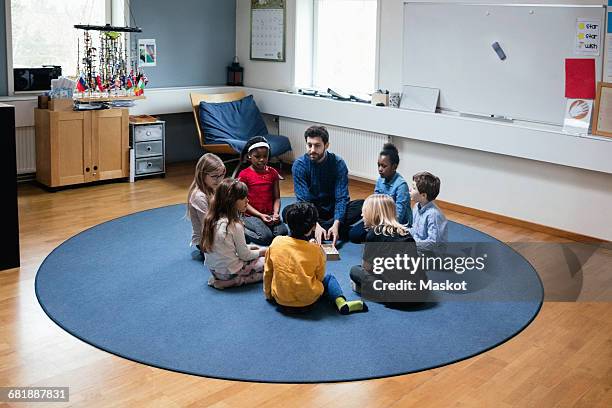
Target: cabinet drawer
(150, 165)
(147, 149)
(148, 132)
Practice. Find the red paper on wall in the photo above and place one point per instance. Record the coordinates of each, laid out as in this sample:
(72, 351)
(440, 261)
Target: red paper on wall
(580, 78)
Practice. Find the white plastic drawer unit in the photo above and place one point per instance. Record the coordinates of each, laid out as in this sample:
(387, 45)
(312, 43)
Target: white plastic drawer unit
(149, 165)
(148, 143)
(148, 132)
(148, 149)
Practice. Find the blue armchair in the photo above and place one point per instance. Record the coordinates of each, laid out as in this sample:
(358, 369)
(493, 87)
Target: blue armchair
(226, 121)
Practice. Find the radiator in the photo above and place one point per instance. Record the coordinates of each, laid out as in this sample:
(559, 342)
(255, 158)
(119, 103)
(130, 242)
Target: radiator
(25, 144)
(359, 149)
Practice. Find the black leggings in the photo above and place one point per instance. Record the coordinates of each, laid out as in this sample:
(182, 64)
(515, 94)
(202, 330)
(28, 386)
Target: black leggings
(326, 219)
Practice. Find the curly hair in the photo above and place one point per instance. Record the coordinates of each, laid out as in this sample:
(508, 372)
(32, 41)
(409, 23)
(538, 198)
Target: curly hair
(317, 131)
(391, 152)
(249, 143)
(301, 217)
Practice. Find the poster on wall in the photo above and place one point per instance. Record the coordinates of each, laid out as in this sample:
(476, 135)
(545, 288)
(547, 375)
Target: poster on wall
(588, 37)
(268, 30)
(147, 53)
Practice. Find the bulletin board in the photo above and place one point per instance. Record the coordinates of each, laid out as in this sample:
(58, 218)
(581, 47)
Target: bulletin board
(268, 18)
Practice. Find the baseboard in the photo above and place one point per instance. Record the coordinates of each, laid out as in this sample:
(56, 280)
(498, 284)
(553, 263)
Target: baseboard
(24, 177)
(519, 223)
(363, 180)
(507, 220)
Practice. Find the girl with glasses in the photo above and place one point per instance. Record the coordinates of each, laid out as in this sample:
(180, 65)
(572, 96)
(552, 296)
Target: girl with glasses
(209, 173)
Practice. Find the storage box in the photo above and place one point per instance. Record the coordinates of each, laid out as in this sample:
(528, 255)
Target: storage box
(379, 97)
(331, 253)
(61, 104)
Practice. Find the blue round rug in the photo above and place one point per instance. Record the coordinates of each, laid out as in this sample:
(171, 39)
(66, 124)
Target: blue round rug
(131, 287)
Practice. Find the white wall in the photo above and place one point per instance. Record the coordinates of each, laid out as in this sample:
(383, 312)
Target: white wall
(264, 74)
(561, 197)
(557, 196)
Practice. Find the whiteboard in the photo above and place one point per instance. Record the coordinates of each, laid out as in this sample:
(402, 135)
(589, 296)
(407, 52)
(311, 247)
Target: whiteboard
(449, 46)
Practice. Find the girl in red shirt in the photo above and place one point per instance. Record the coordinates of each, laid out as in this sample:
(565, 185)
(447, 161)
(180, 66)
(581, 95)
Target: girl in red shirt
(262, 218)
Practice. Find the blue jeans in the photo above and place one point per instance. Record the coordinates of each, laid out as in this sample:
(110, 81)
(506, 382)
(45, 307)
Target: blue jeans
(332, 289)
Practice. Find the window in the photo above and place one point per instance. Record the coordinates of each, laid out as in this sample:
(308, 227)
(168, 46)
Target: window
(344, 39)
(43, 33)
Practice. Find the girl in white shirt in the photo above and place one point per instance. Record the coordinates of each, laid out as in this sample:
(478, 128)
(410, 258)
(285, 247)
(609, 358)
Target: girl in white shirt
(209, 172)
(230, 260)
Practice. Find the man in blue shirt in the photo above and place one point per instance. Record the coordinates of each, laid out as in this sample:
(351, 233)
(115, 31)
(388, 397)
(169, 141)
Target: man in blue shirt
(321, 177)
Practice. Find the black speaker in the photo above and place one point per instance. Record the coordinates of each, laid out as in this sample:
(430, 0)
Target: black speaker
(9, 255)
(35, 79)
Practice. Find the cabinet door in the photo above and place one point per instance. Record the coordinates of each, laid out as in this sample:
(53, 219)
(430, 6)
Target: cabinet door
(110, 144)
(70, 148)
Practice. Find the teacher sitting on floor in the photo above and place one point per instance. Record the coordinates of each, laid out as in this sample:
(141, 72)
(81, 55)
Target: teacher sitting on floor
(321, 178)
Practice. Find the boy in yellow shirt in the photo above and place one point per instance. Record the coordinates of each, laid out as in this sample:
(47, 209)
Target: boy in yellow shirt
(294, 271)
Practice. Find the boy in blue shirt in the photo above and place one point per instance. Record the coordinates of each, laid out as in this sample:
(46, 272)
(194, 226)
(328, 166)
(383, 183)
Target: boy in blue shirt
(428, 223)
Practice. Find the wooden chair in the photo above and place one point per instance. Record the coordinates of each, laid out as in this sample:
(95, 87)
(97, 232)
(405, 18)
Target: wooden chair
(196, 98)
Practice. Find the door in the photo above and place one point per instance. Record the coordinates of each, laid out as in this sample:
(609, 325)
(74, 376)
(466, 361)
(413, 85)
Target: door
(110, 144)
(70, 147)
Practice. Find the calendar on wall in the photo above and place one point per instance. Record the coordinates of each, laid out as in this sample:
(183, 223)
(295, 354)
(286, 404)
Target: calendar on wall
(268, 30)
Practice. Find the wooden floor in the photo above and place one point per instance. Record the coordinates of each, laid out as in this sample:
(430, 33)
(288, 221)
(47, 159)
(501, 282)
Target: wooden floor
(564, 358)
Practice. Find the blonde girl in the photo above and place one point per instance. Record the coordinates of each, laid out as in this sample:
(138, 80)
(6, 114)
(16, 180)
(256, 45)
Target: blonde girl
(386, 238)
(380, 217)
(230, 260)
(209, 172)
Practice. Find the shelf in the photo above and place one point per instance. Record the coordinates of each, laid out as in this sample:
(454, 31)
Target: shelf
(109, 98)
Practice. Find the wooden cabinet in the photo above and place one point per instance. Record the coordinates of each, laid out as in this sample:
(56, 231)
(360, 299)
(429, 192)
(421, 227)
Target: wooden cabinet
(81, 147)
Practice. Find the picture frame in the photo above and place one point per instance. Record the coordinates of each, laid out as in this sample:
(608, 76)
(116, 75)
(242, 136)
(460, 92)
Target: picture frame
(602, 111)
(147, 53)
(268, 30)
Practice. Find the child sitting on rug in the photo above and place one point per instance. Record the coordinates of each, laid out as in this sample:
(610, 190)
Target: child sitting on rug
(428, 223)
(294, 272)
(209, 172)
(386, 238)
(262, 220)
(230, 260)
(391, 183)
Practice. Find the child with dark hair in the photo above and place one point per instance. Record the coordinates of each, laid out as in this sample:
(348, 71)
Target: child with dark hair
(262, 220)
(230, 260)
(428, 223)
(391, 183)
(294, 271)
